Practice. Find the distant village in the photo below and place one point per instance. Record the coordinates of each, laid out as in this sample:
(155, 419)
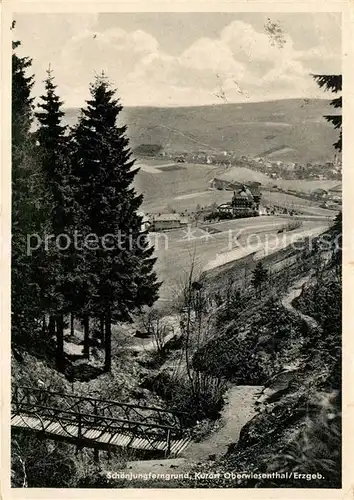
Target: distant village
(245, 199)
(275, 169)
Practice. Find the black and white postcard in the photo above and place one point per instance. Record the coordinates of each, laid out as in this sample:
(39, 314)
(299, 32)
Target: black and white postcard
(173, 179)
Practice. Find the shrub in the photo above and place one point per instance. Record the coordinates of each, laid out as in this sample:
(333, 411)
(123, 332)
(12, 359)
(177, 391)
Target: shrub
(39, 463)
(233, 359)
(294, 224)
(200, 395)
(322, 301)
(201, 398)
(316, 448)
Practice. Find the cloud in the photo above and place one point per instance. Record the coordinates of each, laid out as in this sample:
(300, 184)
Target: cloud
(241, 61)
(210, 54)
(249, 45)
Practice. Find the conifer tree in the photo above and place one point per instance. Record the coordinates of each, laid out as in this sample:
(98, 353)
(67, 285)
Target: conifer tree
(333, 83)
(22, 102)
(28, 215)
(52, 152)
(51, 136)
(121, 270)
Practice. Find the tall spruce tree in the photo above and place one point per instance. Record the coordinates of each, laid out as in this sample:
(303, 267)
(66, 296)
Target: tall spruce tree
(120, 269)
(52, 152)
(28, 216)
(51, 136)
(333, 83)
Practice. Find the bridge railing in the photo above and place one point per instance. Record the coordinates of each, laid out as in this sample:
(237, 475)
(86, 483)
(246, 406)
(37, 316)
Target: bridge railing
(93, 413)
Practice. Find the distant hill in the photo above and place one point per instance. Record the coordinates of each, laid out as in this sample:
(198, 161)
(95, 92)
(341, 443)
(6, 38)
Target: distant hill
(289, 129)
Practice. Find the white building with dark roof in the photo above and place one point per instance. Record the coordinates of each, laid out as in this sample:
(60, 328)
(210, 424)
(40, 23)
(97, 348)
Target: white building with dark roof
(163, 222)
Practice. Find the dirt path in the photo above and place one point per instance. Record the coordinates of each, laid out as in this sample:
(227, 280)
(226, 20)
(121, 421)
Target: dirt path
(238, 410)
(240, 405)
(294, 292)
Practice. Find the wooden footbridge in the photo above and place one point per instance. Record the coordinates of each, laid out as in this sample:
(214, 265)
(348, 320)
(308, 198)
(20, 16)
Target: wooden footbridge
(97, 423)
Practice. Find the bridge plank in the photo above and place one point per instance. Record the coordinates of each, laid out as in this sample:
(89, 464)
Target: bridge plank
(97, 436)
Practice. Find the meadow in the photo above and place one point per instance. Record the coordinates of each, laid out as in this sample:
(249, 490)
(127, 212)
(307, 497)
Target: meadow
(210, 246)
(306, 186)
(183, 187)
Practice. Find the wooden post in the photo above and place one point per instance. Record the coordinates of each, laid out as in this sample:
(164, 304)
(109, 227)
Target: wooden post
(16, 398)
(28, 397)
(108, 340)
(72, 331)
(180, 423)
(86, 323)
(168, 450)
(79, 430)
(60, 342)
(96, 453)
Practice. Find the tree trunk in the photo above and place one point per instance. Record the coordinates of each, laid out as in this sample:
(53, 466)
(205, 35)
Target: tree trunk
(72, 331)
(44, 325)
(60, 342)
(51, 326)
(86, 323)
(108, 345)
(102, 337)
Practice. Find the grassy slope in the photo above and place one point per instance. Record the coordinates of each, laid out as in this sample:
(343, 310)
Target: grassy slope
(175, 253)
(306, 186)
(187, 187)
(248, 129)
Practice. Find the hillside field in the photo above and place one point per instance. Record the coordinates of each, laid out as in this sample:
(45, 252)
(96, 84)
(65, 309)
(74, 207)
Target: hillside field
(287, 129)
(306, 186)
(184, 186)
(212, 245)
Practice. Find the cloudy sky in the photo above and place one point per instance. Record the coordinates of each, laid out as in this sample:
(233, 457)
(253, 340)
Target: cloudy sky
(180, 59)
